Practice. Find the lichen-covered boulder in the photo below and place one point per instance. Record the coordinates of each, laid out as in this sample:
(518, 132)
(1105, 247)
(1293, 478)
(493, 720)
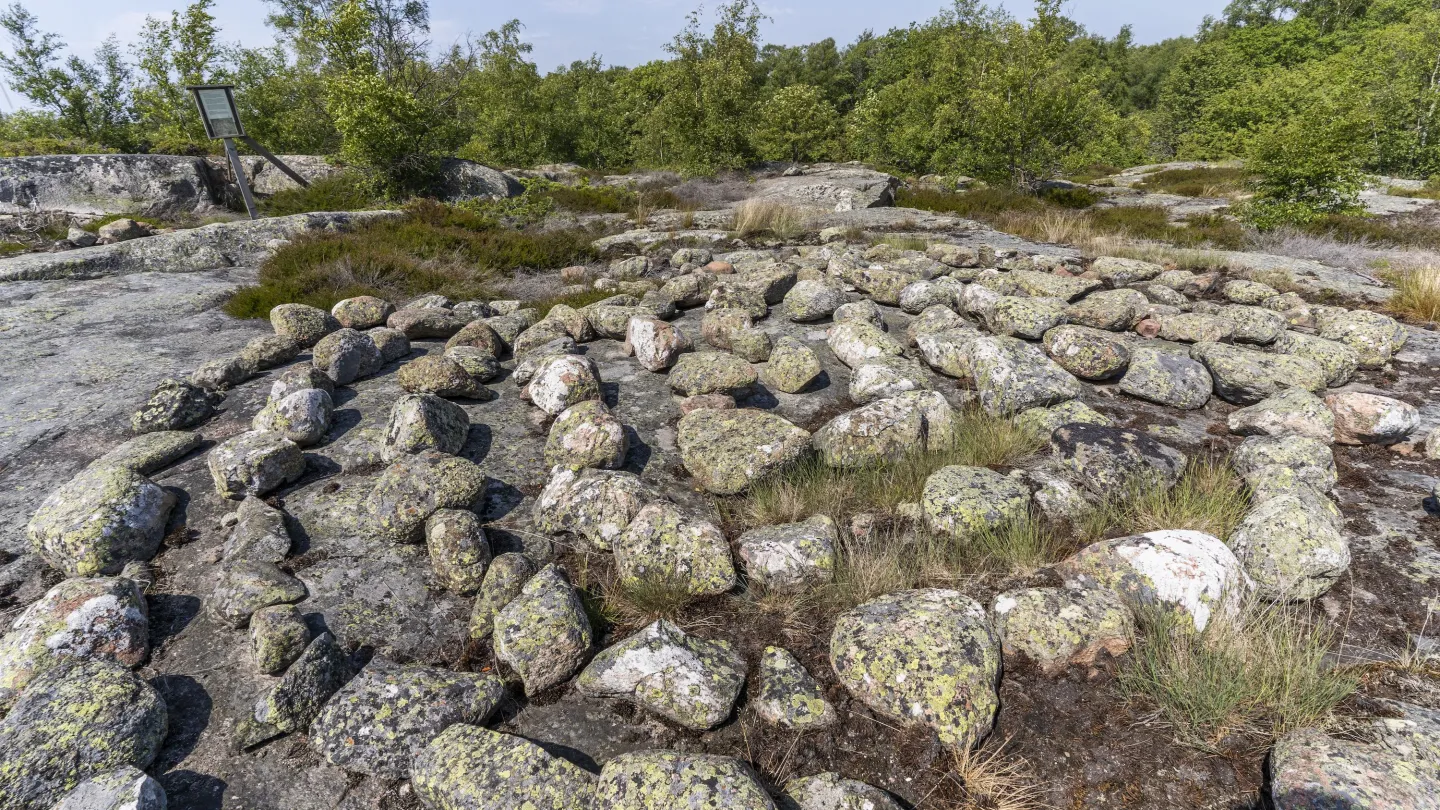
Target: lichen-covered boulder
(1168, 378)
(611, 320)
(587, 435)
(689, 290)
(924, 656)
(710, 372)
(738, 295)
(414, 486)
(346, 355)
(965, 501)
(1059, 627)
(459, 550)
(362, 312)
(1364, 418)
(1111, 310)
(1107, 459)
(885, 377)
(1374, 337)
(292, 703)
(174, 405)
(245, 586)
(831, 791)
(1291, 550)
(1312, 771)
(1028, 318)
(259, 533)
(854, 342)
(934, 318)
(386, 715)
(1012, 375)
(391, 343)
(691, 681)
(662, 545)
(472, 768)
(948, 350)
(125, 788)
(102, 617)
(81, 719)
(788, 695)
(478, 335)
(1120, 272)
(1259, 458)
(562, 380)
(543, 634)
(792, 366)
(884, 286)
(255, 463)
(439, 375)
(1196, 327)
(302, 323)
(1247, 292)
(811, 301)
(504, 579)
(420, 422)
(1052, 285)
(1291, 412)
(726, 450)
(300, 378)
(151, 452)
(478, 363)
(657, 344)
(101, 519)
(426, 323)
(302, 417)
(862, 311)
(223, 373)
(539, 337)
(278, 637)
(1253, 324)
(886, 429)
(268, 351)
(790, 556)
(1245, 376)
(649, 780)
(1338, 360)
(595, 504)
(1043, 421)
(1088, 353)
(1188, 574)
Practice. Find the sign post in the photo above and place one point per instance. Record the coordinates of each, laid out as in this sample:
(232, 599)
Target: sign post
(216, 103)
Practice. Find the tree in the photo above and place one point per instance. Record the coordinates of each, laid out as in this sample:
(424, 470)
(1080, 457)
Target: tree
(183, 50)
(796, 124)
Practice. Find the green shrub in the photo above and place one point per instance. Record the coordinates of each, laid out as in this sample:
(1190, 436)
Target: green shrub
(51, 146)
(7, 248)
(1209, 181)
(431, 248)
(343, 191)
(1070, 197)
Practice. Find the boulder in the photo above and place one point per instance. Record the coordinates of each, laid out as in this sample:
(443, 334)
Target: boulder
(1338, 360)
(1106, 460)
(788, 695)
(1060, 627)
(862, 311)
(1241, 291)
(1245, 376)
(153, 185)
(245, 586)
(831, 791)
(792, 366)
(391, 343)
(1090, 354)
(664, 546)
(886, 377)
(1187, 574)
(887, 429)
(259, 533)
(478, 335)
(790, 556)
(725, 451)
(388, 714)
(420, 422)
(1111, 310)
(505, 578)
(855, 342)
(439, 375)
(98, 521)
(414, 487)
(543, 634)
(1364, 418)
(426, 322)
(472, 768)
(653, 779)
(150, 452)
(1121, 272)
(1310, 771)
(1292, 412)
(711, 372)
(278, 637)
(1167, 378)
(1254, 324)
(222, 374)
(174, 405)
(1374, 337)
(255, 463)
(77, 721)
(1028, 318)
(268, 351)
(302, 323)
(362, 312)
(597, 505)
(1310, 460)
(657, 344)
(948, 351)
(691, 681)
(1052, 285)
(1291, 550)
(965, 501)
(478, 363)
(1012, 375)
(299, 378)
(563, 380)
(459, 551)
(923, 656)
(346, 355)
(1044, 421)
(303, 417)
(125, 788)
(587, 435)
(838, 186)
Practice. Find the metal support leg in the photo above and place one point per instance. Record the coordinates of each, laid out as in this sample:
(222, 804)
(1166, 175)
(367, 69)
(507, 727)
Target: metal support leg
(240, 178)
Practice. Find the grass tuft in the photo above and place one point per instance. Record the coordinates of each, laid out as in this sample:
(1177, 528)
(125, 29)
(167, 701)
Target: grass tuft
(1417, 293)
(992, 781)
(901, 242)
(761, 216)
(1219, 181)
(1209, 497)
(631, 604)
(432, 248)
(1258, 673)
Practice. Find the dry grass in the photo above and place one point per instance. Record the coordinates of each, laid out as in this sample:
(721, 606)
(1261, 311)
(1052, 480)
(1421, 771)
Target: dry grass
(813, 488)
(989, 780)
(1257, 674)
(902, 242)
(761, 216)
(631, 604)
(1209, 497)
(1210, 181)
(1417, 293)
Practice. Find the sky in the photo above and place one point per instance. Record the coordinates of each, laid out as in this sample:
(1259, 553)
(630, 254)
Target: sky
(622, 32)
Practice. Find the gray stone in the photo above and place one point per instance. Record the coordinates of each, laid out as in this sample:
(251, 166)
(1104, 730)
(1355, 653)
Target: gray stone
(126, 788)
(543, 634)
(150, 452)
(587, 435)
(1245, 376)
(1291, 551)
(595, 504)
(561, 381)
(362, 312)
(223, 374)
(1028, 318)
(965, 501)
(1106, 460)
(788, 696)
(292, 704)
(472, 768)
(459, 550)
(278, 637)
(726, 451)
(792, 366)
(1013, 376)
(691, 681)
(885, 377)
(255, 463)
(1088, 353)
(1364, 418)
(303, 417)
(504, 579)
(174, 405)
(664, 546)
(1291, 412)
(259, 533)
(790, 556)
(1060, 627)
(421, 422)
(245, 586)
(1264, 457)
(302, 323)
(887, 429)
(346, 355)
(98, 521)
(413, 487)
(439, 375)
(1167, 378)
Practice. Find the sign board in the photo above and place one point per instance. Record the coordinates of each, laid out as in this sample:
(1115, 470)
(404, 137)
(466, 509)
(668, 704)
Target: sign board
(217, 110)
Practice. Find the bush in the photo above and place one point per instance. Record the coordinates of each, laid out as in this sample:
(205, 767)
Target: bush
(1304, 171)
(344, 191)
(1070, 197)
(431, 248)
(51, 146)
(977, 204)
(1210, 181)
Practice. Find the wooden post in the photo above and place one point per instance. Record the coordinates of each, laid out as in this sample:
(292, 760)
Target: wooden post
(240, 177)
